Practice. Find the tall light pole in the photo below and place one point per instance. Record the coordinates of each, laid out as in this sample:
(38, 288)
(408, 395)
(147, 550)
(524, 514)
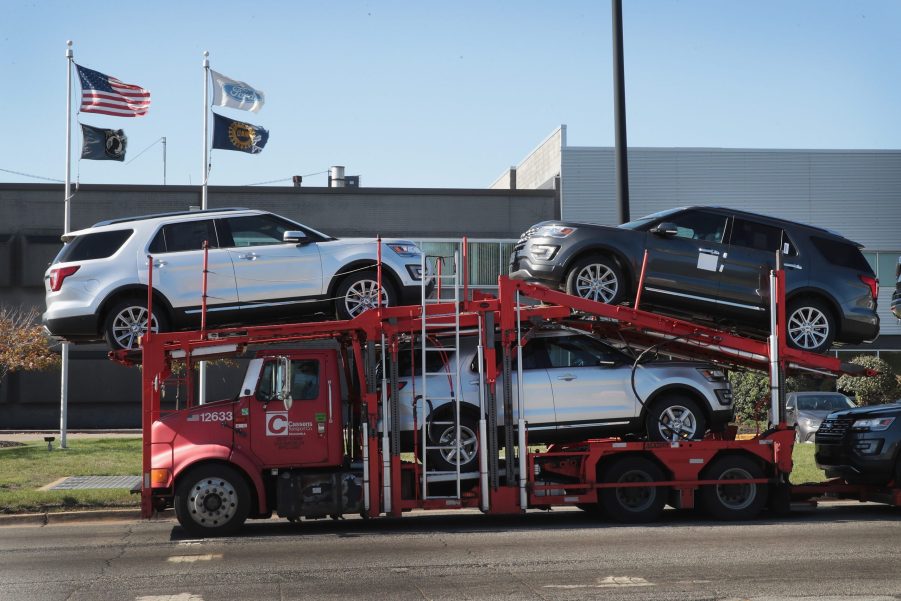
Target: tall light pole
(619, 109)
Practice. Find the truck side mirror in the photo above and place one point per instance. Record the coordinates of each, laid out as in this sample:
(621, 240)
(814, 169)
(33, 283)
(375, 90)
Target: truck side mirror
(283, 381)
(295, 237)
(665, 229)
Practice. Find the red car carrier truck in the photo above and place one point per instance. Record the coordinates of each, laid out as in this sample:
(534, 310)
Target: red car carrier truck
(313, 431)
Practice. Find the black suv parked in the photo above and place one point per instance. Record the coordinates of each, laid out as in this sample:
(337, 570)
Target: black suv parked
(861, 445)
(712, 262)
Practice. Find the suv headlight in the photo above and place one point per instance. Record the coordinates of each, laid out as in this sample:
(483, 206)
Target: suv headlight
(873, 424)
(405, 250)
(543, 252)
(713, 375)
(554, 231)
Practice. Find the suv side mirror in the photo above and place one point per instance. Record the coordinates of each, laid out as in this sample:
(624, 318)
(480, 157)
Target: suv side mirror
(665, 229)
(295, 237)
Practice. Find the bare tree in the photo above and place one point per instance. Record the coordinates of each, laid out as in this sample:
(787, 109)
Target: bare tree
(23, 345)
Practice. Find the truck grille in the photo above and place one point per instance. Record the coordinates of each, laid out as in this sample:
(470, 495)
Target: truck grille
(833, 429)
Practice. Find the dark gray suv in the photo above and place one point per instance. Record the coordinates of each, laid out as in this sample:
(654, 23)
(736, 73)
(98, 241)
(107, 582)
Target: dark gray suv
(712, 263)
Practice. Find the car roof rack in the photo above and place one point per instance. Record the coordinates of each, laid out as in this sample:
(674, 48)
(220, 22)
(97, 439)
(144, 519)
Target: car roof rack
(170, 214)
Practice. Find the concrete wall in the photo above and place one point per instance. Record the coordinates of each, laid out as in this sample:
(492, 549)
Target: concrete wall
(103, 394)
(538, 170)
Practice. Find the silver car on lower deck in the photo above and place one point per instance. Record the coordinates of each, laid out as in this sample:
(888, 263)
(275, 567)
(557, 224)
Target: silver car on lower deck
(575, 386)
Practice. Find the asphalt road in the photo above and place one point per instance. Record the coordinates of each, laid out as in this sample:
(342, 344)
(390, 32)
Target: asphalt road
(843, 551)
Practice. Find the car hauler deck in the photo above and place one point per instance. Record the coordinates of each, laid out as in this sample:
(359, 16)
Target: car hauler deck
(328, 452)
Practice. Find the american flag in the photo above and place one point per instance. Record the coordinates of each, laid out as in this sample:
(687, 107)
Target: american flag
(108, 96)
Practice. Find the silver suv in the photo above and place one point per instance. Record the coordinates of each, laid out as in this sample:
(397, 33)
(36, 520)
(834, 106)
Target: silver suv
(262, 267)
(576, 387)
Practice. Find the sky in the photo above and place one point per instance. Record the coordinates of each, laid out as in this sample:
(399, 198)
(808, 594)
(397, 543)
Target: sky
(420, 93)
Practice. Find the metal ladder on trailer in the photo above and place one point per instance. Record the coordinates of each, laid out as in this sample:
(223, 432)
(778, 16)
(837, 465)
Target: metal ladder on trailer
(452, 447)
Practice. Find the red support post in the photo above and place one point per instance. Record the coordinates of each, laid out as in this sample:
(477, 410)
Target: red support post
(203, 295)
(644, 266)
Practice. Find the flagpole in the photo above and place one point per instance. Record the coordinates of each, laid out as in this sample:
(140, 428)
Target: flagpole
(164, 160)
(64, 360)
(201, 376)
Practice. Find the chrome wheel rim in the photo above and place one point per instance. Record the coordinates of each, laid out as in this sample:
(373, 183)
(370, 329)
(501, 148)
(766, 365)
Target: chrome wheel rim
(736, 496)
(597, 282)
(212, 502)
(468, 447)
(363, 296)
(808, 328)
(129, 324)
(677, 422)
(637, 498)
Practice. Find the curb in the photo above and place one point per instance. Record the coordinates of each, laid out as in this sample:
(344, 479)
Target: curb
(64, 517)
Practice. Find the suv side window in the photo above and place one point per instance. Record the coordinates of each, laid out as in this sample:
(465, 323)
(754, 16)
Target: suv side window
(758, 236)
(184, 235)
(257, 230)
(99, 245)
(697, 225)
(843, 254)
(579, 351)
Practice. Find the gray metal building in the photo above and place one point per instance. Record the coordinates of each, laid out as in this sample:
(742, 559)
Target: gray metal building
(854, 192)
(103, 394)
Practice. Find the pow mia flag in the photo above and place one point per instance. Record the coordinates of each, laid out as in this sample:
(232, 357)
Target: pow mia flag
(103, 144)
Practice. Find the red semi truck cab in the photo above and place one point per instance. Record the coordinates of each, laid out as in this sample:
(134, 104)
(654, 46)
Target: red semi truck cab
(288, 414)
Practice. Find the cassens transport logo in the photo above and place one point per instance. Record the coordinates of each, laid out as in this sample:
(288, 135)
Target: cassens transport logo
(277, 423)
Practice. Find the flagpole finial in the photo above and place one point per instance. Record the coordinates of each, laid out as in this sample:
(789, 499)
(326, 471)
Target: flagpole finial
(69, 48)
(206, 58)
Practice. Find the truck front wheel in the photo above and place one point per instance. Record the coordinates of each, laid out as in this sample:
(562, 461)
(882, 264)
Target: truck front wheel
(212, 500)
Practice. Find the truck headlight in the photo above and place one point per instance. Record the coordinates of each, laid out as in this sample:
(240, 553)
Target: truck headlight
(874, 424)
(554, 231)
(543, 252)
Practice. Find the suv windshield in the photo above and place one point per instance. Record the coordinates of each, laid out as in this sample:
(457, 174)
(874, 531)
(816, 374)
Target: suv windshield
(639, 224)
(824, 403)
(99, 245)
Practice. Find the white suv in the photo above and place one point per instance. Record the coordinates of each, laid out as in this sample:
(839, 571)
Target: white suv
(262, 267)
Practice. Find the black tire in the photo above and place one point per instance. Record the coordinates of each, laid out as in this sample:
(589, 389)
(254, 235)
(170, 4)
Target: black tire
(443, 432)
(126, 320)
(675, 417)
(733, 501)
(632, 505)
(810, 325)
(357, 293)
(597, 278)
(212, 500)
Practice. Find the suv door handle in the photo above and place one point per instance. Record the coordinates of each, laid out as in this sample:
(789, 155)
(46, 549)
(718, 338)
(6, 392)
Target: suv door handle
(709, 251)
(567, 377)
(248, 257)
(793, 266)
(158, 263)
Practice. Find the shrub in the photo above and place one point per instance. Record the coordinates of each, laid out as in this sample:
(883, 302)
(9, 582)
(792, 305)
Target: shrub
(871, 390)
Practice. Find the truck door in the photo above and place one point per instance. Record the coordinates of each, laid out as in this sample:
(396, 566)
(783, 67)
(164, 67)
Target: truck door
(309, 432)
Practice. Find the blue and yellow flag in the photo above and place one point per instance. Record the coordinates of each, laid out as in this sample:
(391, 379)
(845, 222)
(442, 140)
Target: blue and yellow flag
(235, 135)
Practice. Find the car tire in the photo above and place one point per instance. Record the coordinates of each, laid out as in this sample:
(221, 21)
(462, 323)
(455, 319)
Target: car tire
(127, 320)
(212, 500)
(357, 293)
(733, 501)
(632, 505)
(675, 417)
(443, 432)
(810, 325)
(597, 278)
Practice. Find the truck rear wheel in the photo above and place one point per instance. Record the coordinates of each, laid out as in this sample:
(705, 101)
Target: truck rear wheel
(212, 500)
(733, 501)
(636, 504)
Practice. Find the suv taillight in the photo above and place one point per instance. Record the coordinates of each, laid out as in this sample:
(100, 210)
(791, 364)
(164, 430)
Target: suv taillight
(873, 283)
(58, 276)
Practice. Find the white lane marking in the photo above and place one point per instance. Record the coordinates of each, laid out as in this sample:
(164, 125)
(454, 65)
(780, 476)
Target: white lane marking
(608, 582)
(193, 558)
(178, 597)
